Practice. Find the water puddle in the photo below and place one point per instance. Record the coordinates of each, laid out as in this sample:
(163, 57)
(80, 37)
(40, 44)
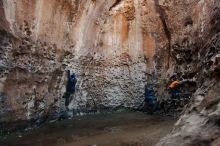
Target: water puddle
(118, 129)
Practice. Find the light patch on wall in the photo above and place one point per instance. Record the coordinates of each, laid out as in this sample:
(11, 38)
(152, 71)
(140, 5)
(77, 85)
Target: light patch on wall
(149, 50)
(9, 8)
(30, 104)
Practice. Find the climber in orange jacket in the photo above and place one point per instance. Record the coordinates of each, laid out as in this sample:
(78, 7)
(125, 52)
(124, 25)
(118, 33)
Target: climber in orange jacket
(173, 89)
(174, 84)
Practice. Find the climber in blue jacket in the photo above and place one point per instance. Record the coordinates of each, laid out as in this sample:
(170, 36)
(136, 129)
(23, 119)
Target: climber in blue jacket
(70, 87)
(71, 83)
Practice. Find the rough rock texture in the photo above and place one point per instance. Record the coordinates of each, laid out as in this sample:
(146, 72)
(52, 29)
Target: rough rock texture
(114, 47)
(110, 45)
(195, 53)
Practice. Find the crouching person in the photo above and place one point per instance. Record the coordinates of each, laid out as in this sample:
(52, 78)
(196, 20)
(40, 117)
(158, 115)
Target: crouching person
(150, 101)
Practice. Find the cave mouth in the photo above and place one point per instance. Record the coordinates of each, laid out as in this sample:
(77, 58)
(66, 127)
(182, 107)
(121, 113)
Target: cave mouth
(122, 128)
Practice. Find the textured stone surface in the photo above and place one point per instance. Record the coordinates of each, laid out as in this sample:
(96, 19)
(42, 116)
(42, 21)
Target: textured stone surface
(194, 50)
(114, 47)
(108, 44)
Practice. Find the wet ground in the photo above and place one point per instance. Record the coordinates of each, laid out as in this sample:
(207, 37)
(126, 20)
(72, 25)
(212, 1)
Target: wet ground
(118, 129)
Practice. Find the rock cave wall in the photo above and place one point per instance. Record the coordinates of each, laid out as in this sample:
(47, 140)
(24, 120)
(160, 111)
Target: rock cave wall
(110, 45)
(195, 57)
(114, 47)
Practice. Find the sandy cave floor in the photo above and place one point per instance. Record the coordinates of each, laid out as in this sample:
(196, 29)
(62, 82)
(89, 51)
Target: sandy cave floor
(118, 129)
